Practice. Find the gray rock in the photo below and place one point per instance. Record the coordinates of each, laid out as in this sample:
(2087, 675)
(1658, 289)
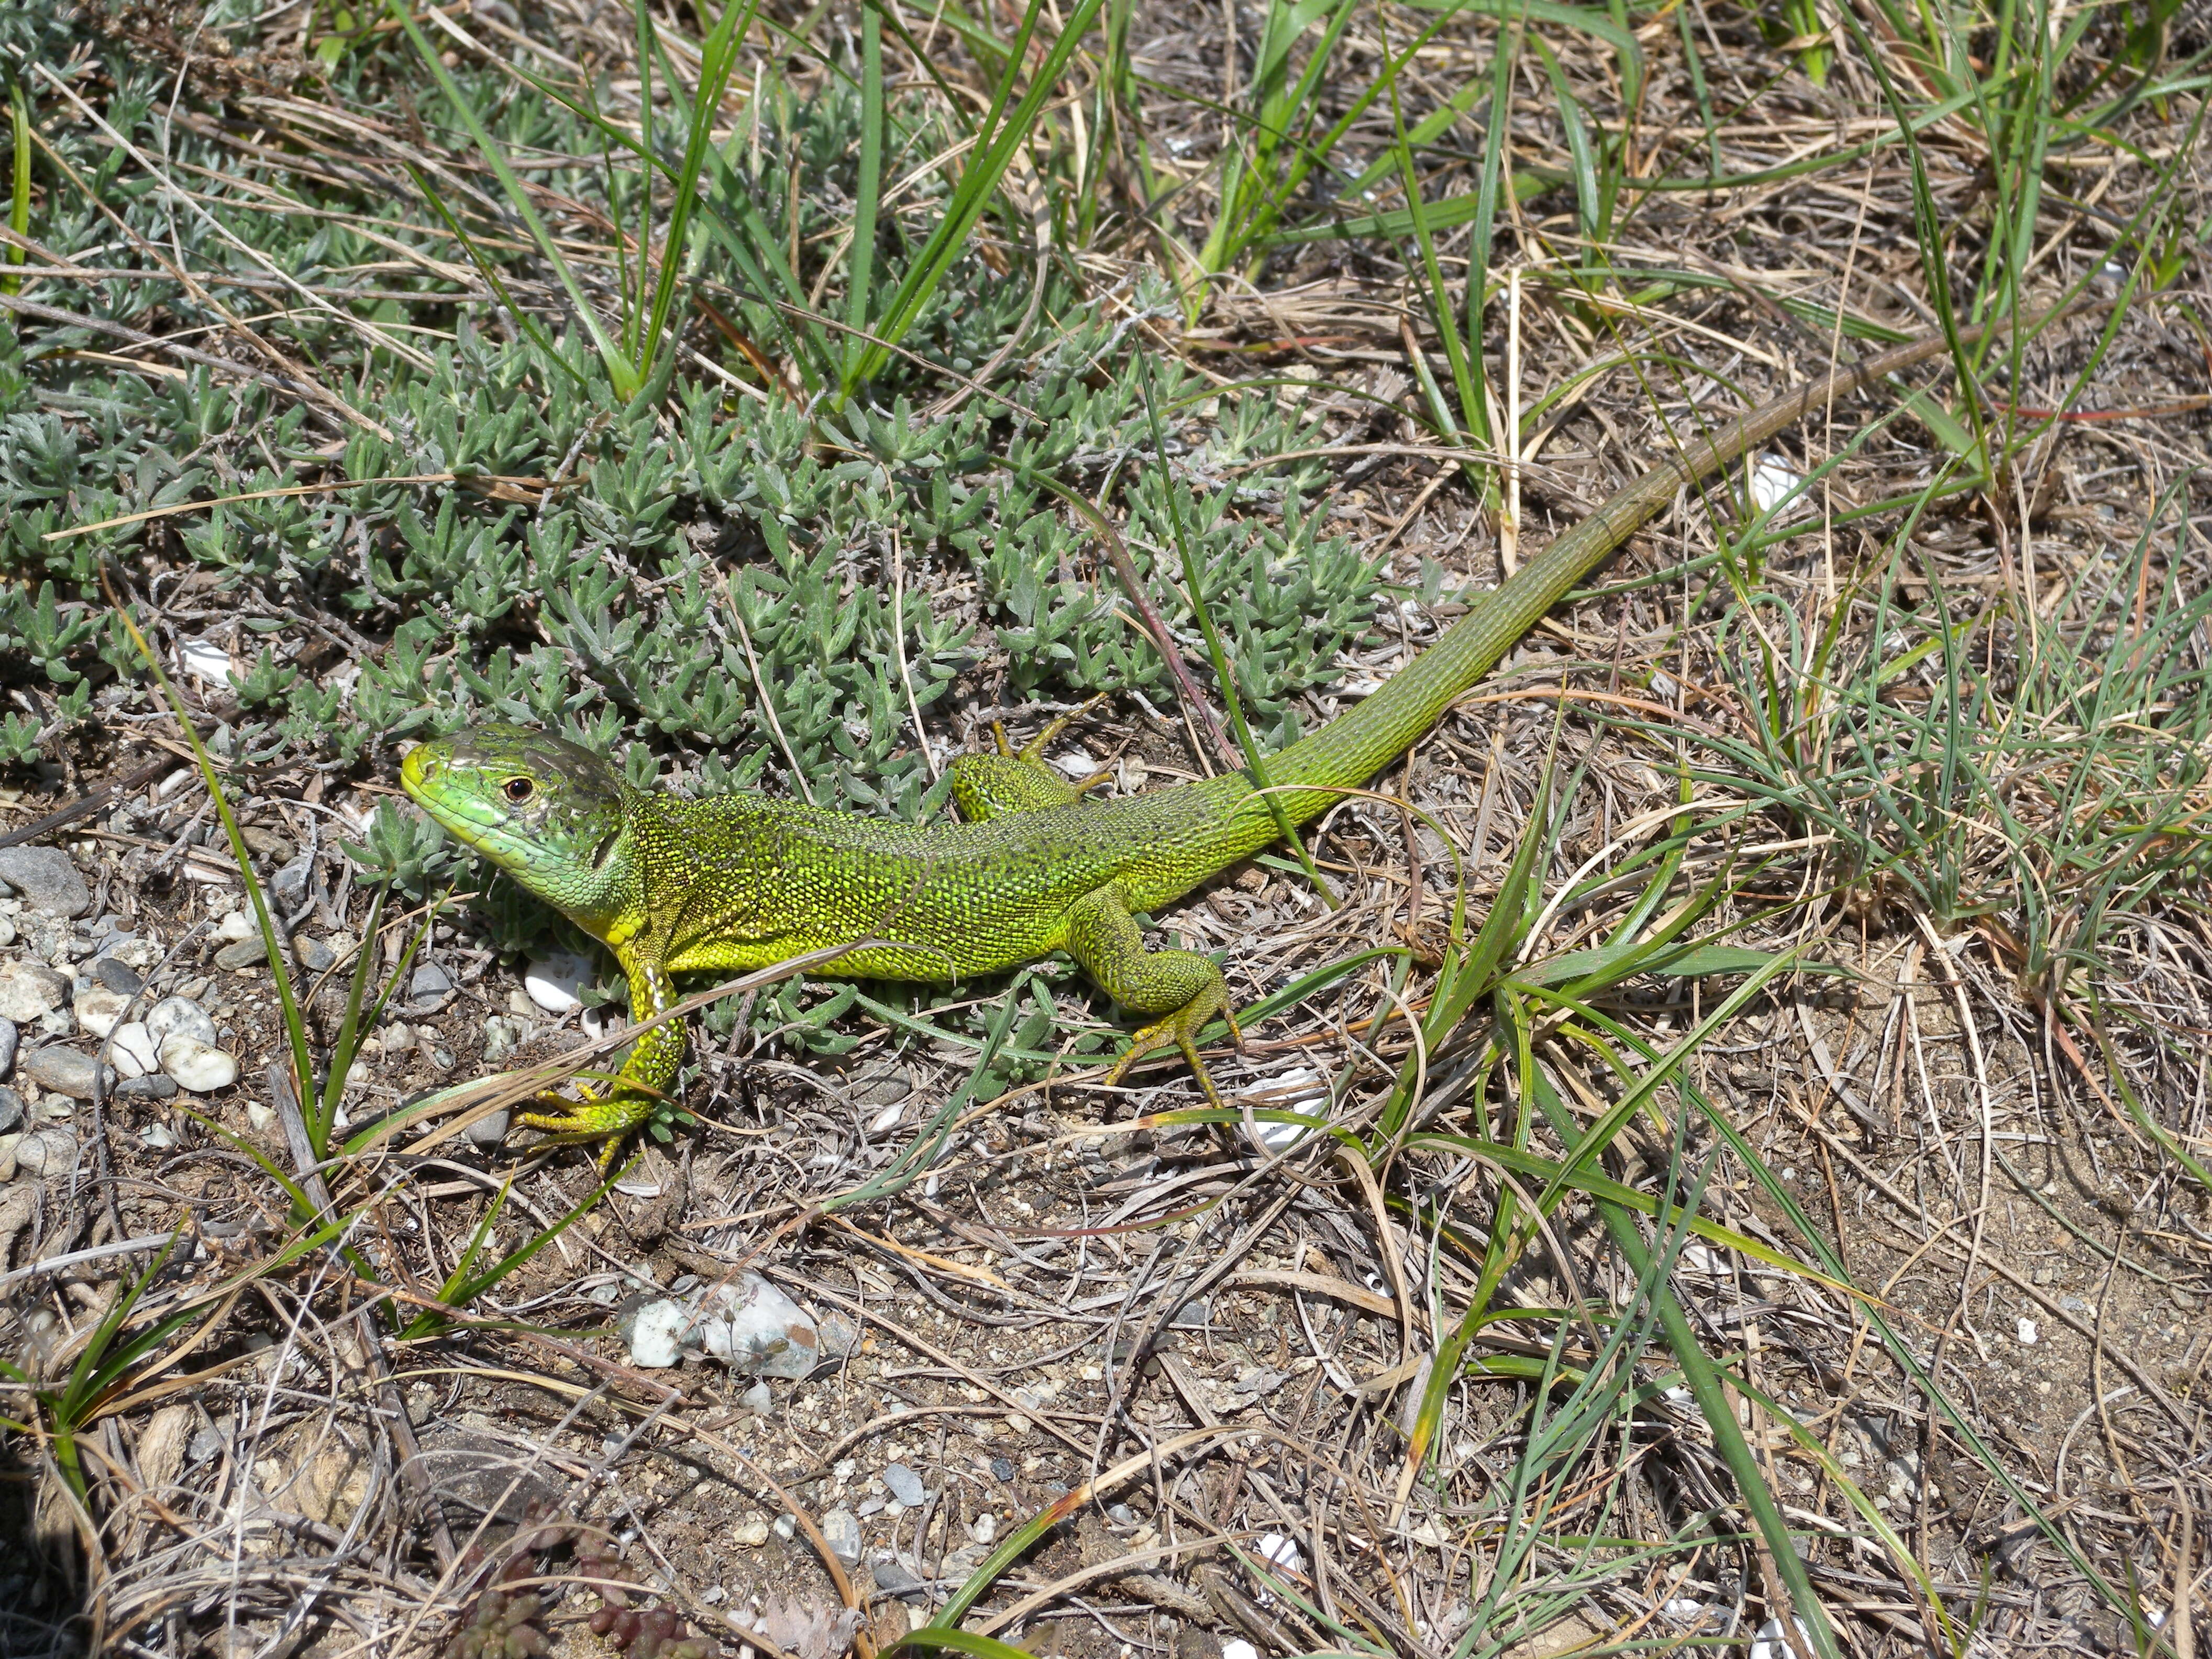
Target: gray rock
(315, 954)
(7, 928)
(841, 1530)
(1003, 1469)
(906, 1486)
(893, 1579)
(429, 988)
(118, 976)
(46, 1151)
(489, 1131)
(841, 1337)
(30, 990)
(290, 883)
(47, 880)
(179, 1016)
(502, 1038)
(11, 1112)
(241, 955)
(66, 1071)
(9, 1037)
(153, 1086)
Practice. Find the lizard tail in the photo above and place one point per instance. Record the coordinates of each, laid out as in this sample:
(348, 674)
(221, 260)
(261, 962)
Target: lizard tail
(1352, 748)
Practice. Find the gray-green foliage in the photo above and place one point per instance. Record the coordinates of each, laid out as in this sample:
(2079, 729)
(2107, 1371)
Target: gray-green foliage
(687, 534)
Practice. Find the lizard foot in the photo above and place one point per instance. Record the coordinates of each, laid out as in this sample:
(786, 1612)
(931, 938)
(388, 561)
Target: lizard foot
(1182, 1028)
(607, 1119)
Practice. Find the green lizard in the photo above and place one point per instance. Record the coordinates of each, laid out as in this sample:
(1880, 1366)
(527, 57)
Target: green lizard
(728, 885)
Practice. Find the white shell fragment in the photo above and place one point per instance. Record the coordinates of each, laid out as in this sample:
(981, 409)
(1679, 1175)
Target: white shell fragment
(1772, 1644)
(203, 659)
(1300, 1090)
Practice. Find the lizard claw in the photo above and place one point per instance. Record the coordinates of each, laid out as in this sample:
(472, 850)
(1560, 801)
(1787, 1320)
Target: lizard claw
(1180, 1028)
(590, 1117)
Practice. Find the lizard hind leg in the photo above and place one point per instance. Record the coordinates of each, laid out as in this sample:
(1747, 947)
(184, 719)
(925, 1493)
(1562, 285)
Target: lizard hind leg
(998, 785)
(1184, 988)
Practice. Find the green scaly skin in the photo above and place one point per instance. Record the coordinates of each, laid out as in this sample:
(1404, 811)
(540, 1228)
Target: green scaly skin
(732, 884)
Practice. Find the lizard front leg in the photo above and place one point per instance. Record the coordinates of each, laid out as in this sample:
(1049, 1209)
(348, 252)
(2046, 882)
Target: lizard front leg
(1184, 988)
(647, 1077)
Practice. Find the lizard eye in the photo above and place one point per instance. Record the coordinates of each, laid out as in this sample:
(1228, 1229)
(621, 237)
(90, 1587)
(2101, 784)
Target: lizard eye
(519, 790)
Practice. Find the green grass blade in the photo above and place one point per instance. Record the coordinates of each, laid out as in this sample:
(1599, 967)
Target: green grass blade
(622, 373)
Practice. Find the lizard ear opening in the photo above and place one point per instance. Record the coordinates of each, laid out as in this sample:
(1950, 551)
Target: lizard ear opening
(606, 851)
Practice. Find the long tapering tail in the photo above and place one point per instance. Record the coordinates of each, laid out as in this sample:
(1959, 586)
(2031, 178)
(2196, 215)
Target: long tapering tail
(1359, 743)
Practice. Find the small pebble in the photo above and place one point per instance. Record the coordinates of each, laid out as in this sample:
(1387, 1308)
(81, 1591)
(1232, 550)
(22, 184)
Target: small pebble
(757, 1400)
(47, 880)
(133, 1050)
(906, 1486)
(154, 1086)
(179, 1016)
(200, 1067)
(984, 1528)
(1002, 1468)
(489, 1131)
(841, 1530)
(46, 1151)
(66, 1071)
(7, 931)
(242, 955)
(159, 1137)
(751, 1535)
(502, 1038)
(118, 977)
(785, 1527)
(554, 983)
(263, 1118)
(655, 1340)
(234, 926)
(11, 1110)
(315, 954)
(429, 988)
(98, 1009)
(9, 1037)
(895, 1579)
(30, 989)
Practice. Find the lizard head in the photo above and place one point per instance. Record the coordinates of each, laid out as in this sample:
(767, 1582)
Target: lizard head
(549, 812)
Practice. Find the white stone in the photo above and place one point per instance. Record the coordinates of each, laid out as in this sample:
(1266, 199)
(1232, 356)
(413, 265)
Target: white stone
(263, 1118)
(179, 1016)
(1772, 1644)
(199, 1067)
(555, 982)
(2028, 1332)
(29, 990)
(1771, 480)
(203, 659)
(1237, 1647)
(750, 1536)
(984, 1528)
(98, 1009)
(759, 1330)
(132, 1051)
(654, 1334)
(235, 926)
